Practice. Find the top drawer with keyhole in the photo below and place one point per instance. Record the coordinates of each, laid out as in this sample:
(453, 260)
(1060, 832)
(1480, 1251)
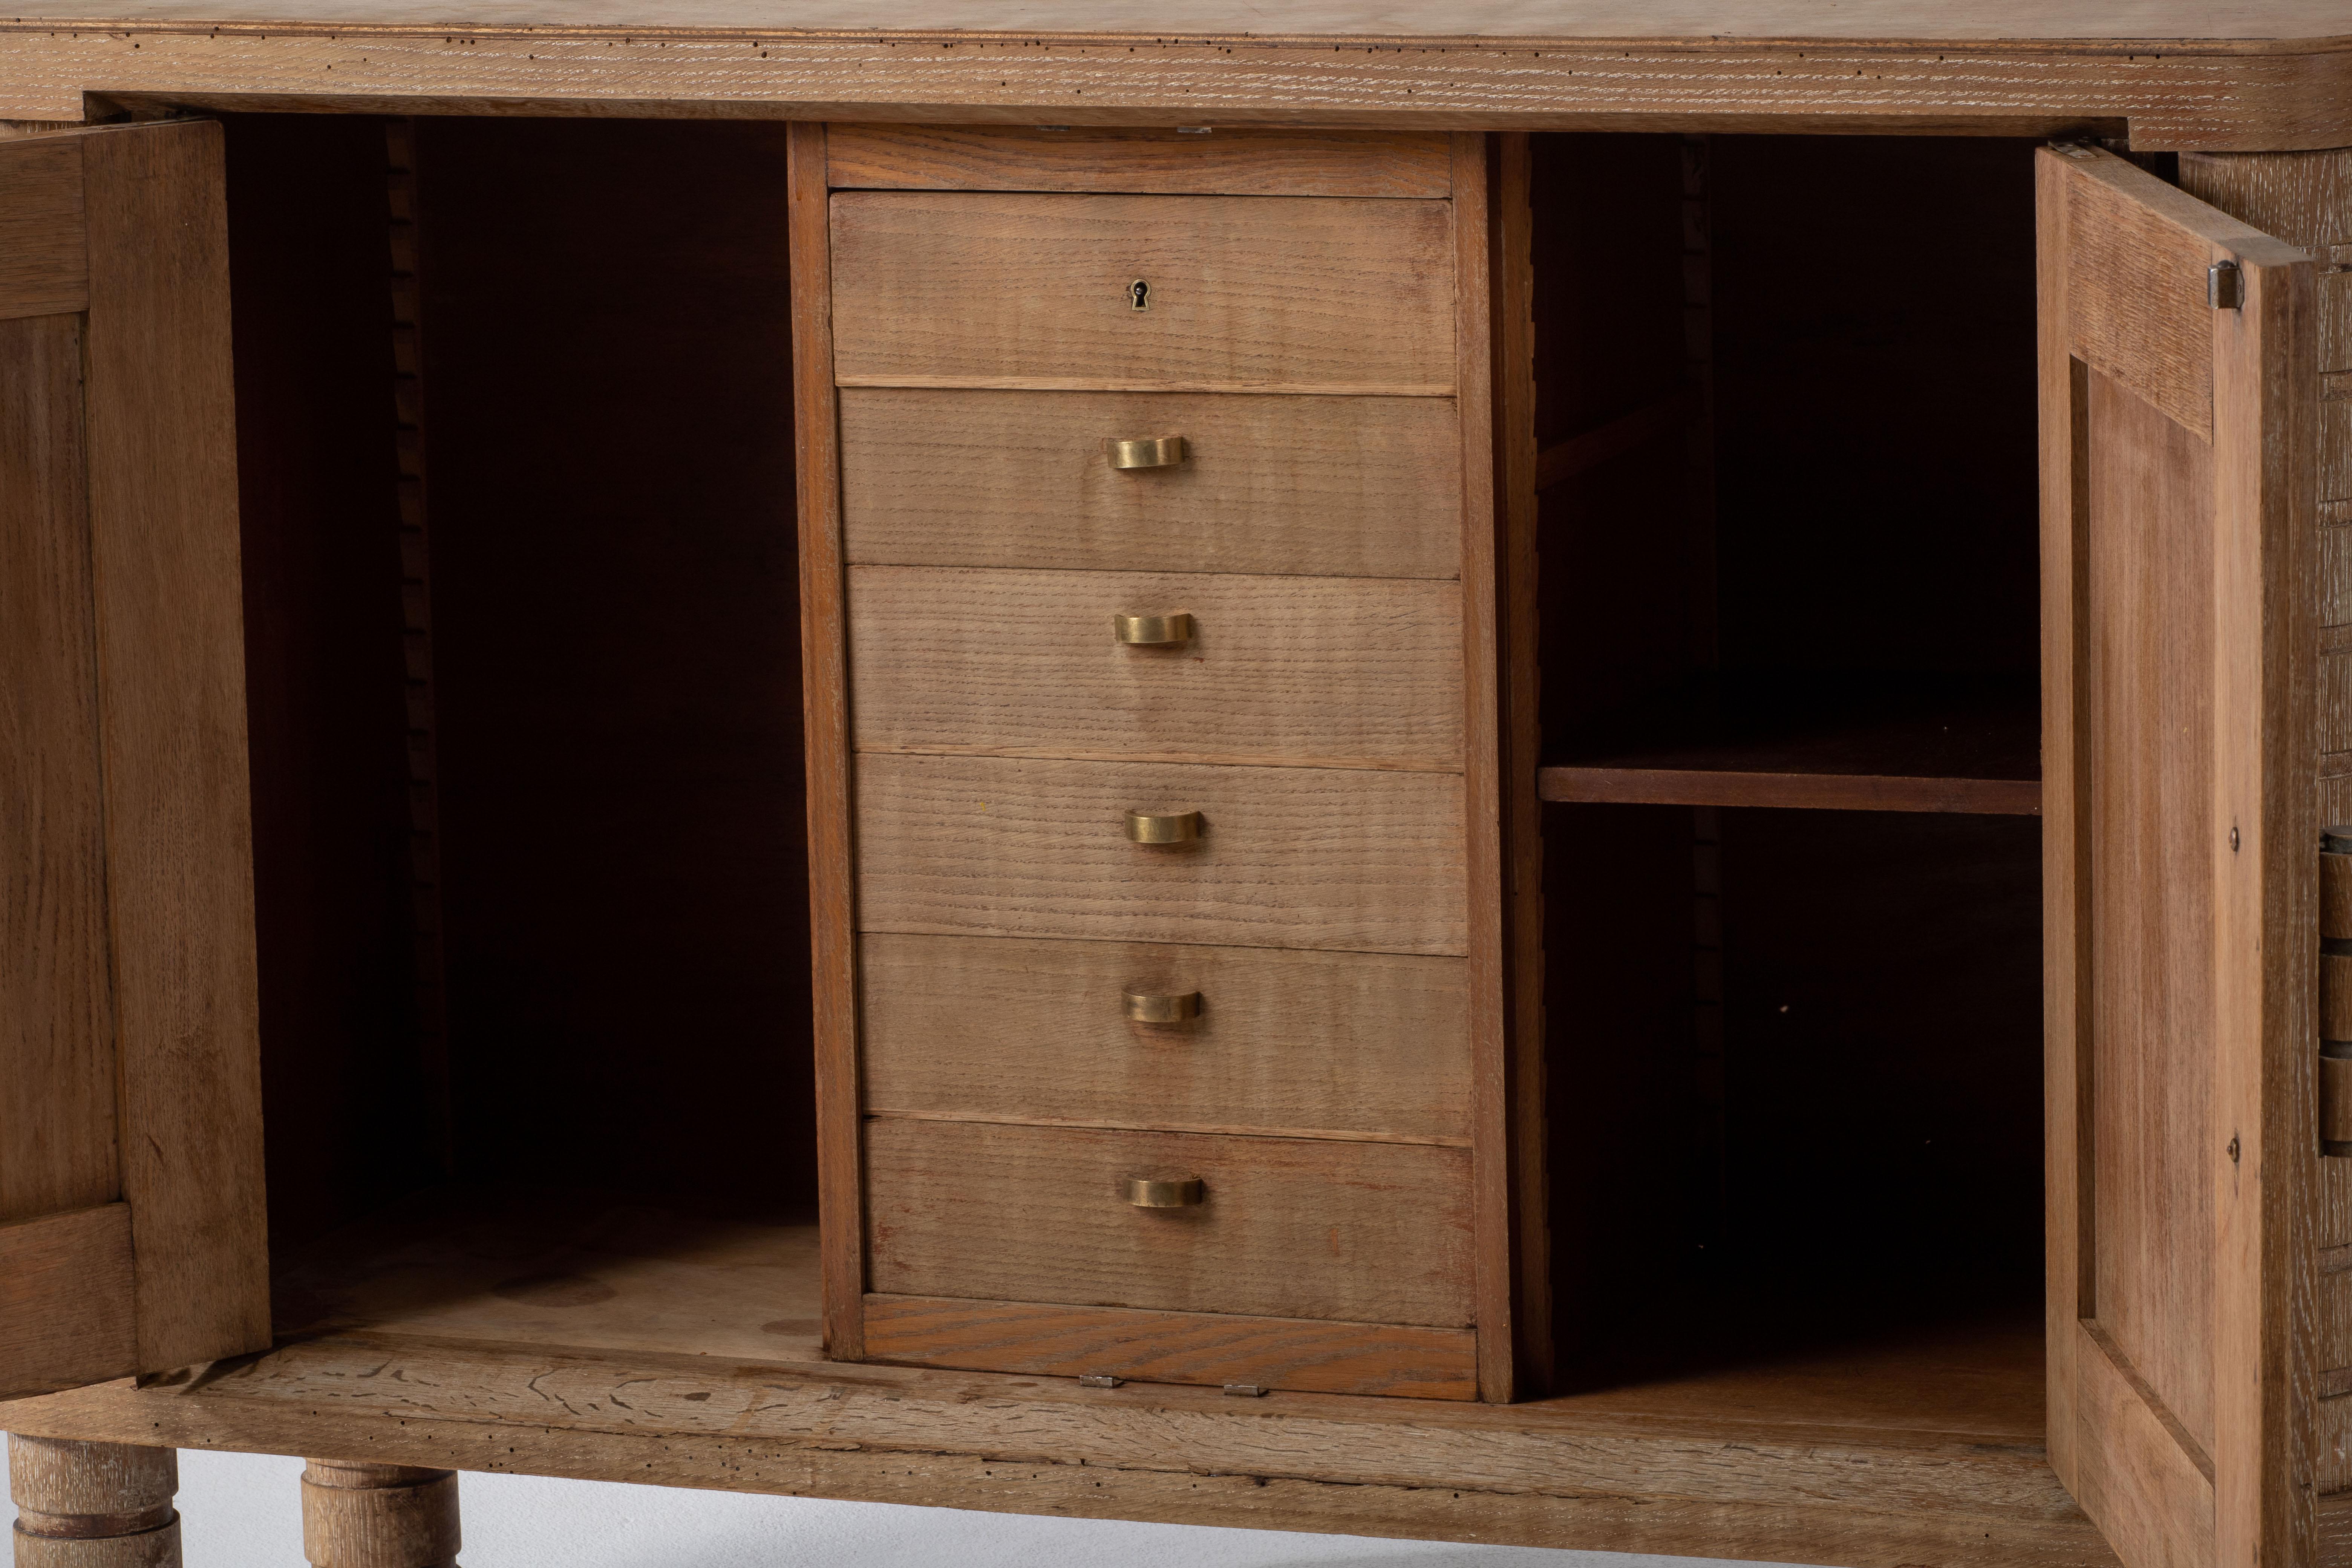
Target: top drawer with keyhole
(1275, 293)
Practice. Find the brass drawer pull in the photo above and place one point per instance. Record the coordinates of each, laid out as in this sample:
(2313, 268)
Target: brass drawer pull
(1163, 826)
(1145, 1008)
(1146, 452)
(1181, 1193)
(1153, 631)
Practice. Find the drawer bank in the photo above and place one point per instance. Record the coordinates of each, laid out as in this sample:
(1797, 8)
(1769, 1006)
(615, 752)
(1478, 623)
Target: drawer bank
(1569, 784)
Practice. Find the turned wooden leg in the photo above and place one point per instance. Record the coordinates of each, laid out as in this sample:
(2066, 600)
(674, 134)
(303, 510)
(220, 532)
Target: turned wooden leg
(379, 1516)
(94, 1505)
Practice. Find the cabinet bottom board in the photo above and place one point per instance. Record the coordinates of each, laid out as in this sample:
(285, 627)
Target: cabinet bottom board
(1213, 1348)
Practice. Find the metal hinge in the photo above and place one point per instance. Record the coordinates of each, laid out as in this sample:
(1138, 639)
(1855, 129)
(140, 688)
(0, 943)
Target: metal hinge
(2225, 286)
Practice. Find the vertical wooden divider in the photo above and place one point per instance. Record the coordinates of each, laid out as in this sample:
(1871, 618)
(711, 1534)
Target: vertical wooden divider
(1494, 350)
(825, 686)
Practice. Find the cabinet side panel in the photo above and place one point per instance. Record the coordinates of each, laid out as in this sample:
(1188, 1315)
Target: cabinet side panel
(57, 1045)
(179, 828)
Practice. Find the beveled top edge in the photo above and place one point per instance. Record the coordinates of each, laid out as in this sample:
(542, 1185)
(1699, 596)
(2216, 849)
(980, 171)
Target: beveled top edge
(2100, 25)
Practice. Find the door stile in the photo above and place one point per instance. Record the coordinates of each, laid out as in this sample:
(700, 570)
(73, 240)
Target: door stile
(2066, 846)
(2266, 749)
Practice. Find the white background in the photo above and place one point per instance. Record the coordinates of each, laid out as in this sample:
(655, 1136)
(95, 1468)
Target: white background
(244, 1511)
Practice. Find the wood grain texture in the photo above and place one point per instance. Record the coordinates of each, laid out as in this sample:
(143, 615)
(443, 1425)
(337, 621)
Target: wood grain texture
(2179, 576)
(2151, 487)
(1308, 857)
(2012, 70)
(1159, 160)
(179, 831)
(2261, 27)
(57, 1041)
(2144, 1489)
(1348, 672)
(44, 254)
(1511, 294)
(1487, 779)
(1251, 293)
(94, 1505)
(592, 1271)
(1173, 1347)
(65, 1314)
(1288, 1228)
(1327, 485)
(1005, 1029)
(2136, 305)
(2265, 444)
(824, 722)
(379, 1516)
(1923, 1450)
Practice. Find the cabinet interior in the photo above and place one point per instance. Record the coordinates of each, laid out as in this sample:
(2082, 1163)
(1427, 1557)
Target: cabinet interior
(1793, 1055)
(567, 735)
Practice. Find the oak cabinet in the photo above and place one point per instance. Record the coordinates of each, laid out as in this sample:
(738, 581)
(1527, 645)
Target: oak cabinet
(1622, 824)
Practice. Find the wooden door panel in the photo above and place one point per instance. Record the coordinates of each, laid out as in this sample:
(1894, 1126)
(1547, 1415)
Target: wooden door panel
(2150, 635)
(131, 1227)
(2177, 834)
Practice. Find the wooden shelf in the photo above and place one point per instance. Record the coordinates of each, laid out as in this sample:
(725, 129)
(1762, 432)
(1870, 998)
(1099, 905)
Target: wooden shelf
(588, 1270)
(1862, 743)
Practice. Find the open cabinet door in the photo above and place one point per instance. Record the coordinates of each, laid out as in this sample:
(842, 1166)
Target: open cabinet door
(131, 1235)
(2181, 853)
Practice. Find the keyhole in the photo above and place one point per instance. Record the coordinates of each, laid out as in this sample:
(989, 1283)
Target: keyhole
(1139, 294)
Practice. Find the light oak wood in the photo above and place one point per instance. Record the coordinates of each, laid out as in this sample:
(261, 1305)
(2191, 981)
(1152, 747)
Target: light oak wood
(824, 723)
(1285, 1042)
(591, 1271)
(164, 534)
(1309, 857)
(1921, 1450)
(56, 1047)
(1296, 671)
(379, 1516)
(2258, 28)
(44, 256)
(2007, 69)
(1325, 486)
(94, 1505)
(1249, 293)
(1289, 1227)
(1159, 160)
(66, 1284)
(1173, 1347)
(2179, 880)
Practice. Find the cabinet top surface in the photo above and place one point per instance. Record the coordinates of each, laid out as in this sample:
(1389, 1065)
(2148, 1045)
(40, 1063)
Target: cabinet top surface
(2263, 26)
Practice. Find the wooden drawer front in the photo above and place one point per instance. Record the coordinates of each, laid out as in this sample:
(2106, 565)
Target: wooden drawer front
(1323, 672)
(998, 1028)
(1338, 487)
(1287, 1227)
(1312, 857)
(1269, 292)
